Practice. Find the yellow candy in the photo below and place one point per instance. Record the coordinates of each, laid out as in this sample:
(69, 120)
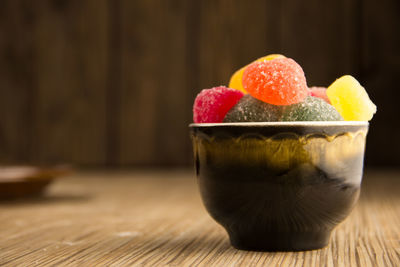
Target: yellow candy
(236, 79)
(350, 99)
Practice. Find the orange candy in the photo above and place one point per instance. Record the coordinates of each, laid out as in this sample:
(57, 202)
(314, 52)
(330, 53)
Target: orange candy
(236, 79)
(280, 81)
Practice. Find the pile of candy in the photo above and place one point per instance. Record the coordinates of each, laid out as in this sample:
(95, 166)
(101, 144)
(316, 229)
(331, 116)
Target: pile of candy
(274, 88)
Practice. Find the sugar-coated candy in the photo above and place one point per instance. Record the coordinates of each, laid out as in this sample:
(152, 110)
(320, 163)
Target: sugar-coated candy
(350, 99)
(251, 109)
(280, 81)
(319, 92)
(211, 105)
(236, 79)
(311, 109)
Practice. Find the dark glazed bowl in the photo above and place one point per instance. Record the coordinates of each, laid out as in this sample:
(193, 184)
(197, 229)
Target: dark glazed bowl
(279, 186)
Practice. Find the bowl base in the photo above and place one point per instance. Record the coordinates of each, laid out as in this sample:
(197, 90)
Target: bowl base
(297, 241)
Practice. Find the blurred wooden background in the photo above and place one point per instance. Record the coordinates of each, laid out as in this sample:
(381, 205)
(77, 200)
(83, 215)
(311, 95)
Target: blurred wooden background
(111, 82)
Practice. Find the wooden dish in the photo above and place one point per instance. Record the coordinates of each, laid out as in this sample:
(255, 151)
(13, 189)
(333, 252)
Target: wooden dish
(24, 181)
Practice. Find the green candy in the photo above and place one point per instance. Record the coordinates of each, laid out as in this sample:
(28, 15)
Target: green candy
(311, 109)
(250, 109)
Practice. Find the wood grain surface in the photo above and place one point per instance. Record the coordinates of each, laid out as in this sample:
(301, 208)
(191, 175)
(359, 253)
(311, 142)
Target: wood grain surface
(156, 219)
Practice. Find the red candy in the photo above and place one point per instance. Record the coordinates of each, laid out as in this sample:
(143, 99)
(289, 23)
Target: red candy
(280, 81)
(211, 105)
(319, 92)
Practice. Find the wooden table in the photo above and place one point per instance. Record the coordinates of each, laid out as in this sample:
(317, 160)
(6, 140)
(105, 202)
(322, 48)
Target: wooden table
(156, 218)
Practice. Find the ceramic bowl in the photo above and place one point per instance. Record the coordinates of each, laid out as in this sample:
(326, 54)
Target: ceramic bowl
(279, 186)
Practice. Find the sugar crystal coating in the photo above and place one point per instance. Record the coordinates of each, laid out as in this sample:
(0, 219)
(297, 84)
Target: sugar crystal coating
(236, 79)
(311, 109)
(250, 109)
(319, 92)
(350, 99)
(211, 105)
(280, 81)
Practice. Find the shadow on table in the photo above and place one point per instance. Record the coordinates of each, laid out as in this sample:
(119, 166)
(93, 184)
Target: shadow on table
(45, 199)
(380, 185)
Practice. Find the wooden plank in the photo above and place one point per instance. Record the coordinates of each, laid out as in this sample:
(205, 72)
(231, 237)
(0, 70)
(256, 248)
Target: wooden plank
(153, 108)
(70, 68)
(380, 71)
(16, 80)
(157, 219)
(114, 66)
(174, 111)
(322, 37)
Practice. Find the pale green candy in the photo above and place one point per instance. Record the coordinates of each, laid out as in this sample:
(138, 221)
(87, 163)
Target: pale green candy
(250, 109)
(311, 109)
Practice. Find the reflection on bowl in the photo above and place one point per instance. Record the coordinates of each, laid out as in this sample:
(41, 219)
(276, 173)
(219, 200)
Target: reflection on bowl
(279, 186)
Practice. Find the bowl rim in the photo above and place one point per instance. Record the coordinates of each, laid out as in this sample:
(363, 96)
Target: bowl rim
(283, 124)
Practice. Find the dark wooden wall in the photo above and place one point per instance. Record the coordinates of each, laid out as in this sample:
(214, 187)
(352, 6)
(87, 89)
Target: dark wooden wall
(111, 82)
